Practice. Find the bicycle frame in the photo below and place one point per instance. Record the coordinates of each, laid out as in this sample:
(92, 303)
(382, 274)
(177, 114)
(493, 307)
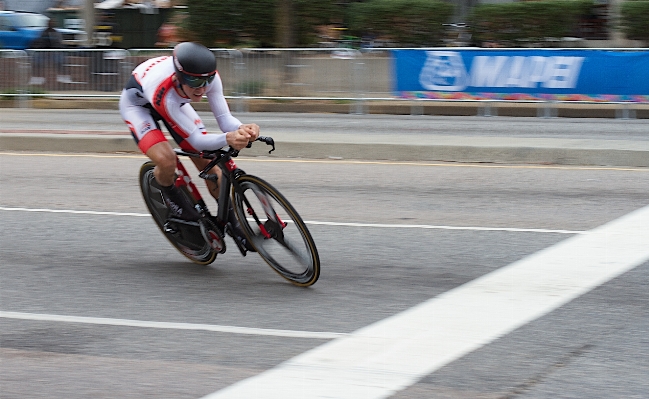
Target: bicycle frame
(230, 171)
(227, 166)
(248, 210)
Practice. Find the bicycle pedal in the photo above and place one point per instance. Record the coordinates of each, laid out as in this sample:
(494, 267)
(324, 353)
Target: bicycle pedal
(169, 228)
(176, 220)
(240, 245)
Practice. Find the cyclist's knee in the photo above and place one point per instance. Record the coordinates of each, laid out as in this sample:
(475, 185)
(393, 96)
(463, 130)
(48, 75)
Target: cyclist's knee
(165, 160)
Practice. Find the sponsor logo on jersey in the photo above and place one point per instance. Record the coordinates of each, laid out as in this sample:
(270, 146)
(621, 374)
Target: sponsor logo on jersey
(146, 126)
(159, 95)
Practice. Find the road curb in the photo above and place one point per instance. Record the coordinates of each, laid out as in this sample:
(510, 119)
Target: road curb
(395, 107)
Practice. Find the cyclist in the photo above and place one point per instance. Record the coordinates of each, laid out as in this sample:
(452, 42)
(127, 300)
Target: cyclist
(160, 89)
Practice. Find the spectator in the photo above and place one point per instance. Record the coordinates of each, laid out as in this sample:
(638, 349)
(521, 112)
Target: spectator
(48, 60)
(50, 38)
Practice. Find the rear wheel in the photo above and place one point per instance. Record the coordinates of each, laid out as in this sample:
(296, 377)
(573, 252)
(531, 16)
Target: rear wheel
(276, 231)
(186, 237)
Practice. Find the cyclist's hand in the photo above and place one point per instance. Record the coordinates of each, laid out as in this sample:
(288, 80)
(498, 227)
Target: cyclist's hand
(252, 129)
(238, 139)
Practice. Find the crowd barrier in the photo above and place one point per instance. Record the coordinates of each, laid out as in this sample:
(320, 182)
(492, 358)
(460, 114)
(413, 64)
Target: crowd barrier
(335, 74)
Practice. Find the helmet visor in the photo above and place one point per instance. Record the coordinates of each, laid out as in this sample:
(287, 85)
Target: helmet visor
(196, 82)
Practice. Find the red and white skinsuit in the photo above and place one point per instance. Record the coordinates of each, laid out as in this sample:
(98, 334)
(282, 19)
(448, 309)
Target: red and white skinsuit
(150, 96)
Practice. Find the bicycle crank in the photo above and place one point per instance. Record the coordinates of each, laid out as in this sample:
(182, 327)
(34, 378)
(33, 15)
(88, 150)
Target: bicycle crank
(212, 235)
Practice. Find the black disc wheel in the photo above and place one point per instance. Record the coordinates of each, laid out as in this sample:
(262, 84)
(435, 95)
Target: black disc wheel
(275, 230)
(186, 237)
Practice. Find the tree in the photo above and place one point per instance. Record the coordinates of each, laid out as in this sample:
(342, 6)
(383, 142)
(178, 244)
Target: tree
(634, 20)
(407, 22)
(265, 23)
(231, 22)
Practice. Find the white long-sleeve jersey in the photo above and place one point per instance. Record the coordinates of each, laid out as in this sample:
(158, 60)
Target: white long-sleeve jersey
(150, 95)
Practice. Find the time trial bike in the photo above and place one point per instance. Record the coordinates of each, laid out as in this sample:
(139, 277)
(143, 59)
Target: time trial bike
(271, 224)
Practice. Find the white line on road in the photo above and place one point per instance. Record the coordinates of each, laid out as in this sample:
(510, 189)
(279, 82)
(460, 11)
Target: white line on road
(167, 325)
(2, 208)
(426, 226)
(390, 355)
(313, 222)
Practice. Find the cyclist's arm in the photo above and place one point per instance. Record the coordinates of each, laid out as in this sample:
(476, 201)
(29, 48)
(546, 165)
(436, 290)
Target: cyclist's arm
(219, 106)
(195, 136)
(186, 125)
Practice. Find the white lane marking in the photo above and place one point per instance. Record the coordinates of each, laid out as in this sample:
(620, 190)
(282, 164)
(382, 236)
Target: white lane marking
(313, 222)
(426, 226)
(2, 208)
(383, 358)
(167, 325)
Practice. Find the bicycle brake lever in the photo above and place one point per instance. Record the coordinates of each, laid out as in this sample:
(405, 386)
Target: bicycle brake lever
(268, 141)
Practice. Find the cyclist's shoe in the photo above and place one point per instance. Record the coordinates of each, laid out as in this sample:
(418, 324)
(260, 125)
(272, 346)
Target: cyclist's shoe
(237, 233)
(179, 206)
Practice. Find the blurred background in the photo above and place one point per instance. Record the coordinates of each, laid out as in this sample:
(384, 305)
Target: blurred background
(333, 50)
(347, 23)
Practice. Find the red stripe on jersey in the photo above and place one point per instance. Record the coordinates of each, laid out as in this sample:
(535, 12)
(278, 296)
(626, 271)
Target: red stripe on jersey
(159, 100)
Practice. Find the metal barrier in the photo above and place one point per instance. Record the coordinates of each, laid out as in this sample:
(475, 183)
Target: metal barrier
(77, 72)
(228, 61)
(325, 73)
(334, 74)
(14, 72)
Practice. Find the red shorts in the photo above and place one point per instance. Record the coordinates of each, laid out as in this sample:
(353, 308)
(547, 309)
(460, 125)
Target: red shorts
(148, 139)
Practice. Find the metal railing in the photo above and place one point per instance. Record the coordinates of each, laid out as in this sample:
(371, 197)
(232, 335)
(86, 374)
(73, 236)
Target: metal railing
(14, 73)
(322, 73)
(335, 74)
(72, 72)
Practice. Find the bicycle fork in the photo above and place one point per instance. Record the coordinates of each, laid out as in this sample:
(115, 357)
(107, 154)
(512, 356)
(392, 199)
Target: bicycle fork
(269, 228)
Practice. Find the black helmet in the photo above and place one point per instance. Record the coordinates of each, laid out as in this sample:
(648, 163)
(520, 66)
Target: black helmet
(195, 64)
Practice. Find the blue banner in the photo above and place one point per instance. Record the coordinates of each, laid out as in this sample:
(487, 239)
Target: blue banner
(522, 74)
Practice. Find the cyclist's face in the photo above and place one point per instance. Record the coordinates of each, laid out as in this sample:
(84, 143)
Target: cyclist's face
(194, 94)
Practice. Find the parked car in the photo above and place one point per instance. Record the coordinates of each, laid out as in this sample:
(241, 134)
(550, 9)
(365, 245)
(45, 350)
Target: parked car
(18, 30)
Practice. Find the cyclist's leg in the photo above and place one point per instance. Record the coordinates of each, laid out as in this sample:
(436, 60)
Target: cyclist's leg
(152, 142)
(164, 157)
(212, 187)
(149, 138)
(200, 163)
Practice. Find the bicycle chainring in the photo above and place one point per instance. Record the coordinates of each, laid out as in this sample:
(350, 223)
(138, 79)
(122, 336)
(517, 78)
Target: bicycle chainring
(213, 235)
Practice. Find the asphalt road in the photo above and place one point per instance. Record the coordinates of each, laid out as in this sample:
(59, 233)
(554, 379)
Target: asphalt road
(116, 265)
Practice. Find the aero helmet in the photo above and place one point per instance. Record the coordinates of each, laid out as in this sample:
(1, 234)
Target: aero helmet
(194, 63)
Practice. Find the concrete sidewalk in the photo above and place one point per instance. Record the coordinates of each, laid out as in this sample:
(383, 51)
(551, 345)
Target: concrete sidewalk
(615, 143)
(432, 148)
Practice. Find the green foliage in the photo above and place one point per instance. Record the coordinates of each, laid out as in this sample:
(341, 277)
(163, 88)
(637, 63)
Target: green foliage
(407, 22)
(309, 14)
(514, 24)
(253, 23)
(634, 19)
(218, 23)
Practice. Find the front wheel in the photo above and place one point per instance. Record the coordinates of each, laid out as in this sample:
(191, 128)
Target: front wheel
(275, 230)
(187, 238)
